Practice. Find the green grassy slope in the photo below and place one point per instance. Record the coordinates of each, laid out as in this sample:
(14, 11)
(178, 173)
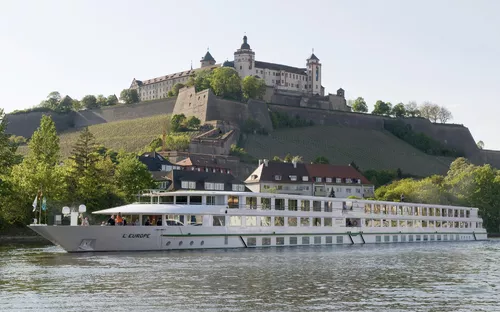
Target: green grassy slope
(130, 135)
(369, 149)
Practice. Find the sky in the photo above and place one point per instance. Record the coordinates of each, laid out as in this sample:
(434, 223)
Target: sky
(446, 51)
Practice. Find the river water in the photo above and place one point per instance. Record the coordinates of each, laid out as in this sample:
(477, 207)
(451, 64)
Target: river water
(401, 277)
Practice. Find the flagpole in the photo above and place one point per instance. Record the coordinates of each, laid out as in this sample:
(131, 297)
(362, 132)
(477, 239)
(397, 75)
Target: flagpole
(41, 191)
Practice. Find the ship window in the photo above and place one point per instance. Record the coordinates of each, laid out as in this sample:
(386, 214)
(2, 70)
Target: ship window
(410, 238)
(292, 221)
(387, 238)
(233, 201)
(317, 240)
(195, 200)
(235, 221)
(316, 221)
(304, 221)
(265, 221)
(251, 241)
(226, 240)
(439, 237)
(265, 203)
(266, 241)
(426, 237)
(328, 221)
(251, 221)
(340, 239)
(395, 238)
(378, 238)
(317, 206)
(219, 221)
(292, 205)
(403, 238)
(329, 240)
(445, 237)
(279, 221)
(210, 200)
(293, 240)
(305, 240)
(280, 241)
(279, 204)
(305, 205)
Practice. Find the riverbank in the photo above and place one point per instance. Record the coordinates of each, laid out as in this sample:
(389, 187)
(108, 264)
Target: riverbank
(21, 236)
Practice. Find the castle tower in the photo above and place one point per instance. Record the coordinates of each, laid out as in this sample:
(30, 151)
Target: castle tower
(244, 60)
(313, 75)
(207, 60)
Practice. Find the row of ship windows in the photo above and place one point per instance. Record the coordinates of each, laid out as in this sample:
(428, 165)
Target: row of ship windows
(416, 211)
(311, 221)
(305, 240)
(421, 237)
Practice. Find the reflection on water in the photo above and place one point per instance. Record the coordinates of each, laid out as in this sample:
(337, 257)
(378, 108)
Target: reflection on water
(406, 277)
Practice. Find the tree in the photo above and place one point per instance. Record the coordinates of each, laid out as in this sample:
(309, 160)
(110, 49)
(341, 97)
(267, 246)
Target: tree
(382, 108)
(112, 100)
(132, 176)
(176, 88)
(76, 105)
(89, 102)
(101, 100)
(129, 96)
(85, 152)
(177, 122)
(177, 142)
(226, 82)
(480, 144)
(297, 159)
(412, 109)
(39, 171)
(321, 160)
(430, 111)
(8, 148)
(399, 110)
(201, 80)
(193, 123)
(288, 158)
(253, 87)
(359, 105)
(65, 105)
(444, 114)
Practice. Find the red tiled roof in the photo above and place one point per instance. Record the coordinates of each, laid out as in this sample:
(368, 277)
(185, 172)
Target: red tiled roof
(335, 171)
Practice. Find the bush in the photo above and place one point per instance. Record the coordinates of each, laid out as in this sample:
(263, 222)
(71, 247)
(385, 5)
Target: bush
(283, 120)
(419, 140)
(252, 126)
(18, 140)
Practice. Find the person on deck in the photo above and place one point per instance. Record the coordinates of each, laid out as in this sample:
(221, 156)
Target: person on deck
(111, 220)
(147, 222)
(119, 219)
(158, 223)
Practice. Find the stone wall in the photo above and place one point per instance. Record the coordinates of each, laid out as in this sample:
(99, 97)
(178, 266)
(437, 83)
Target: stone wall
(25, 124)
(191, 103)
(124, 112)
(207, 144)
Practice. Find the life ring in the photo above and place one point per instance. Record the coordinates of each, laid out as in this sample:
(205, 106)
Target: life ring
(355, 223)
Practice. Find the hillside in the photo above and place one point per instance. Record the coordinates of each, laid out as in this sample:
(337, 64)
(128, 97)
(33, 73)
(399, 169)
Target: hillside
(369, 149)
(131, 135)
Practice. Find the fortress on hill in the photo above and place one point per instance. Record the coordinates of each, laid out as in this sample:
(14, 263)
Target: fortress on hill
(285, 84)
(297, 92)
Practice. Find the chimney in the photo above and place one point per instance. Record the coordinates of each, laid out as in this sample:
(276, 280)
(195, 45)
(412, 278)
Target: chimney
(266, 162)
(294, 162)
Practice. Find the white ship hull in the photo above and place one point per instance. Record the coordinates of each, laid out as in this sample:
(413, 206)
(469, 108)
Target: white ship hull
(151, 238)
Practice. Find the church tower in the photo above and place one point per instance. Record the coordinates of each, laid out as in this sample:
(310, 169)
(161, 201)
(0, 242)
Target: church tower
(244, 60)
(207, 60)
(314, 75)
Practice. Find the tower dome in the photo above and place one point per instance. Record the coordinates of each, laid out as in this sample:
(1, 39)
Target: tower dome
(245, 45)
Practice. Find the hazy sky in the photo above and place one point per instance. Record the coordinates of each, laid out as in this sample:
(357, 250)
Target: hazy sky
(447, 52)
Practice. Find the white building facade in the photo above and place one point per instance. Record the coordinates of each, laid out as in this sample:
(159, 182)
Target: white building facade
(301, 80)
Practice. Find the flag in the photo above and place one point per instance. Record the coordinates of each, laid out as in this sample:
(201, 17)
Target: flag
(35, 202)
(44, 204)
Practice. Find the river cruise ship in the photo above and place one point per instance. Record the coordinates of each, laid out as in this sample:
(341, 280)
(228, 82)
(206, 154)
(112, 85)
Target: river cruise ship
(216, 219)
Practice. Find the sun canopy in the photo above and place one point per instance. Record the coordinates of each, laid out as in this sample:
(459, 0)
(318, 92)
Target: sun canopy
(163, 209)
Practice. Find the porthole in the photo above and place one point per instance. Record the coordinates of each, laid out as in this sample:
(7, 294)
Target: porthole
(180, 243)
(202, 243)
(191, 243)
(168, 243)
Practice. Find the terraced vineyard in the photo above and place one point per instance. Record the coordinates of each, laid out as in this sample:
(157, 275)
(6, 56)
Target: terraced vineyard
(369, 149)
(130, 135)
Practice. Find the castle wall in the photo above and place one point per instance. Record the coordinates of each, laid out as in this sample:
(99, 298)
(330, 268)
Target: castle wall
(191, 103)
(25, 124)
(324, 117)
(489, 157)
(123, 112)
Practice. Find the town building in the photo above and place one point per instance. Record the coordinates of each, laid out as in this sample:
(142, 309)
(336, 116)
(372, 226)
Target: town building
(206, 181)
(300, 80)
(309, 179)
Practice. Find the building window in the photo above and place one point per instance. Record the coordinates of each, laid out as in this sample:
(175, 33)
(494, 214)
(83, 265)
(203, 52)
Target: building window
(348, 190)
(338, 180)
(188, 185)
(358, 190)
(219, 186)
(238, 188)
(277, 177)
(348, 180)
(318, 179)
(305, 178)
(293, 178)
(209, 186)
(328, 180)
